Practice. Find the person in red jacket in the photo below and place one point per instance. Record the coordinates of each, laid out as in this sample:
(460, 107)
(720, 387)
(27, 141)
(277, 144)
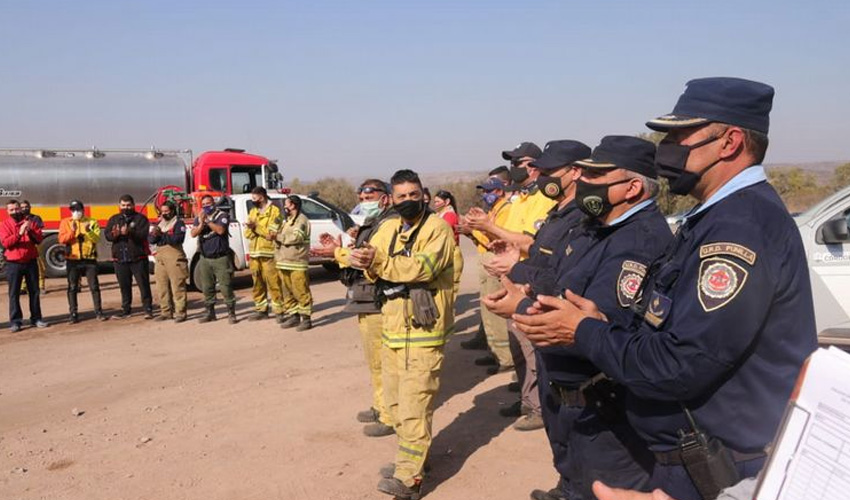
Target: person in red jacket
(20, 237)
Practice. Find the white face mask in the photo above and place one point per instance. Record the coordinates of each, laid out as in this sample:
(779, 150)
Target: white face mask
(76, 215)
(370, 208)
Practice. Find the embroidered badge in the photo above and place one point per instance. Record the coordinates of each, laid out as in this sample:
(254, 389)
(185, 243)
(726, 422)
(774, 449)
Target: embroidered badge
(725, 248)
(551, 189)
(657, 310)
(593, 204)
(628, 283)
(720, 280)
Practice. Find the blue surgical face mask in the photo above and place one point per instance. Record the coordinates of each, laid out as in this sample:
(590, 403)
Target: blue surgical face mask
(208, 210)
(370, 208)
(490, 198)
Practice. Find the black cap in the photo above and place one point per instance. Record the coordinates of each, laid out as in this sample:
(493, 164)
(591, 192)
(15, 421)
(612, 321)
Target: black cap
(623, 151)
(734, 101)
(557, 154)
(75, 205)
(522, 150)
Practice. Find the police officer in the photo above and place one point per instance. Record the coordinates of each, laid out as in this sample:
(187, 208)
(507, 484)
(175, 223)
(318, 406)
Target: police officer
(80, 235)
(128, 232)
(604, 259)
(376, 206)
(172, 267)
(725, 318)
(215, 265)
(293, 261)
(262, 227)
(411, 260)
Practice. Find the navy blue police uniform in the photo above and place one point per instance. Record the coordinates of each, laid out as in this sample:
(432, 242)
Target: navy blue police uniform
(605, 263)
(725, 319)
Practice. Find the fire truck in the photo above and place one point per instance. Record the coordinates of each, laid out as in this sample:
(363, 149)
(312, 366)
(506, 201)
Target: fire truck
(51, 178)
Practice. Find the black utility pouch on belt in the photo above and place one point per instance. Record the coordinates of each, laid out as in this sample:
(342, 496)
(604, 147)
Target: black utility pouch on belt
(708, 462)
(606, 397)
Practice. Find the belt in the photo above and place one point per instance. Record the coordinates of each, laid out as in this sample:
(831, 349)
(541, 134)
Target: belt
(215, 256)
(568, 396)
(674, 457)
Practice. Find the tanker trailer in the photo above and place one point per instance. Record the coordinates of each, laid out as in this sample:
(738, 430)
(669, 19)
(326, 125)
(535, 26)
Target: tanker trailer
(50, 179)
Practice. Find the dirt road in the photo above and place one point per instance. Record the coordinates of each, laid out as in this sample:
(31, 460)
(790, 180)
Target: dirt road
(133, 409)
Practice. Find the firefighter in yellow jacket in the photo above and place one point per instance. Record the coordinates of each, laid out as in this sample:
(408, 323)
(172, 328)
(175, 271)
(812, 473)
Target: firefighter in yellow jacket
(80, 235)
(410, 259)
(261, 230)
(293, 260)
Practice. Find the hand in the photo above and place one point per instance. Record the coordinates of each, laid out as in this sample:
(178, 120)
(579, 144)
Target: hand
(362, 258)
(115, 231)
(329, 241)
(125, 230)
(553, 320)
(251, 224)
(477, 212)
(25, 227)
(271, 236)
(353, 231)
(604, 492)
(505, 301)
(477, 221)
(322, 252)
(507, 255)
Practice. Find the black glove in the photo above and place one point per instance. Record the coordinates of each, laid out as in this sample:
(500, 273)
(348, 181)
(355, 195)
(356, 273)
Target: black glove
(425, 311)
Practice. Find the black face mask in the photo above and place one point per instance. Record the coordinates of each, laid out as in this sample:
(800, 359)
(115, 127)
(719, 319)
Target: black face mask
(671, 159)
(409, 209)
(519, 175)
(550, 186)
(18, 217)
(592, 199)
(257, 204)
(25, 211)
(168, 216)
(128, 211)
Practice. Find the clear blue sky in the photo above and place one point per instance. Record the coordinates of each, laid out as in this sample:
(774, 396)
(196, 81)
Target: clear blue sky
(355, 88)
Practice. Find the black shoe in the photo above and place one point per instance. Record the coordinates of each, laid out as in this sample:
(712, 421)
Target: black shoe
(149, 314)
(368, 416)
(291, 322)
(100, 316)
(73, 319)
(280, 318)
(210, 316)
(492, 370)
(378, 429)
(305, 324)
(15, 328)
(486, 361)
(553, 494)
(231, 315)
(394, 487)
(258, 316)
(122, 315)
(474, 343)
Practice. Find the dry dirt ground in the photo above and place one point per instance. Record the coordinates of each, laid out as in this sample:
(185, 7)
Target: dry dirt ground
(134, 409)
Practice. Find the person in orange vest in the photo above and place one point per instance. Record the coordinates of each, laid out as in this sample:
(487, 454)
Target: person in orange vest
(80, 235)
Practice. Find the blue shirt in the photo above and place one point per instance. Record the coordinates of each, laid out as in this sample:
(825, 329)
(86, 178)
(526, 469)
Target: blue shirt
(745, 178)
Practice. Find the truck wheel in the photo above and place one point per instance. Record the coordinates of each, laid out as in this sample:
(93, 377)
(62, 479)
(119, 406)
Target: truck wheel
(54, 256)
(195, 275)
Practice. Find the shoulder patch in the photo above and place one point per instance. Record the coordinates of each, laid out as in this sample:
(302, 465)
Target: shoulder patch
(726, 248)
(628, 282)
(720, 281)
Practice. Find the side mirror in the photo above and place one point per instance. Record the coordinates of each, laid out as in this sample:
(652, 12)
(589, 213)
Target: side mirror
(835, 231)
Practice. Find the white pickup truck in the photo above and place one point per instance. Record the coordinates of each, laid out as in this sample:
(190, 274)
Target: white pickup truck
(825, 229)
(324, 218)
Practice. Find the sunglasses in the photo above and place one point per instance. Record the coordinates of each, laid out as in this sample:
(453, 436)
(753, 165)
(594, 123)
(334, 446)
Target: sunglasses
(370, 190)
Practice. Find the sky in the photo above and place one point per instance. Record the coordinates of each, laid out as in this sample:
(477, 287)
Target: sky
(363, 88)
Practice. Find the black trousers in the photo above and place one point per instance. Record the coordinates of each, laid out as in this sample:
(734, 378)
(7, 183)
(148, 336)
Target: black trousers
(16, 272)
(76, 269)
(125, 272)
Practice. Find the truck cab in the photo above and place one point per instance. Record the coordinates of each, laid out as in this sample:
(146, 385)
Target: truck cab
(825, 229)
(233, 171)
(324, 218)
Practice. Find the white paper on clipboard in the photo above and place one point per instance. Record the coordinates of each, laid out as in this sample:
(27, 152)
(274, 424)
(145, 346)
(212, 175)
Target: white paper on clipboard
(811, 458)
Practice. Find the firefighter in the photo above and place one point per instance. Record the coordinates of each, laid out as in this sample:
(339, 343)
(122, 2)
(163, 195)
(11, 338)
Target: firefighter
(376, 206)
(410, 260)
(172, 267)
(26, 209)
(80, 235)
(20, 238)
(293, 260)
(261, 230)
(128, 233)
(215, 264)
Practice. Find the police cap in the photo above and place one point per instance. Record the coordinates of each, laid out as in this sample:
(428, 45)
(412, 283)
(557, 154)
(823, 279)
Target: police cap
(522, 150)
(559, 154)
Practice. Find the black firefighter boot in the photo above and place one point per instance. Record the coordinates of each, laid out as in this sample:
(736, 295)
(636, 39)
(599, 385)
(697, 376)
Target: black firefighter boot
(231, 314)
(98, 305)
(72, 306)
(210, 315)
(305, 324)
(292, 321)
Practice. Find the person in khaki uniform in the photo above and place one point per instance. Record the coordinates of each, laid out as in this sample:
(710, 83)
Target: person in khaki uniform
(293, 259)
(80, 235)
(376, 206)
(172, 267)
(261, 230)
(410, 260)
(495, 328)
